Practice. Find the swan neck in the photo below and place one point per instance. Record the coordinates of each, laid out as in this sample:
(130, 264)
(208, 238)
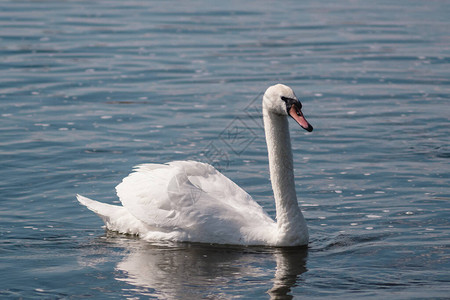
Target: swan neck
(291, 224)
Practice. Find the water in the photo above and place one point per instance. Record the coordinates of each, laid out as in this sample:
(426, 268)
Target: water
(89, 89)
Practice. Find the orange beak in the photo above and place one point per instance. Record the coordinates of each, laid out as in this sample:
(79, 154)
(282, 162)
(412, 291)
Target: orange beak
(296, 113)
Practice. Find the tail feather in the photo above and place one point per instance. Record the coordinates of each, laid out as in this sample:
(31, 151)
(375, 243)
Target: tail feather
(115, 217)
(98, 207)
(105, 211)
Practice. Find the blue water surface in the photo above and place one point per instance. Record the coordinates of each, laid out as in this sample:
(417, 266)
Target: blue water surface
(88, 89)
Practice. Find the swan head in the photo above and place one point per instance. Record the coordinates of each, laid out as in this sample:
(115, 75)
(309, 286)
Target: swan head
(281, 100)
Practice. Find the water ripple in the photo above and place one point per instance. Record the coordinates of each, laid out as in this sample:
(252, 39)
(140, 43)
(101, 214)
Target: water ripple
(89, 89)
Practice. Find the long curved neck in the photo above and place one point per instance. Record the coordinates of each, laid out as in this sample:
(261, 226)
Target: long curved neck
(292, 227)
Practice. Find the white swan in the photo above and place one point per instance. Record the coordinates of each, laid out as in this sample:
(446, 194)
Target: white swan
(193, 202)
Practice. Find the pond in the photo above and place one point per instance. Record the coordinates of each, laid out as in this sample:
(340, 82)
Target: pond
(89, 89)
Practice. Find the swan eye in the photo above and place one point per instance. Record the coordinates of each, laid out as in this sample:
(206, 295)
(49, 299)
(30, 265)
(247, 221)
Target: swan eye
(287, 99)
(290, 102)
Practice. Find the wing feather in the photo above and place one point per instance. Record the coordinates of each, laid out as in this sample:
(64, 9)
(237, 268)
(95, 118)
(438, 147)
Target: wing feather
(189, 195)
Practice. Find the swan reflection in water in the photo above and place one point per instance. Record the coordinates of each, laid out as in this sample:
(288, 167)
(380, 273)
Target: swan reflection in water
(198, 271)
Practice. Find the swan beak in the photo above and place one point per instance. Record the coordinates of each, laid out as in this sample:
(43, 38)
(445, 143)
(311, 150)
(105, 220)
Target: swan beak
(296, 113)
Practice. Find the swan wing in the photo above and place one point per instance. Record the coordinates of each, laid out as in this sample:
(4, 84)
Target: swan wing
(190, 196)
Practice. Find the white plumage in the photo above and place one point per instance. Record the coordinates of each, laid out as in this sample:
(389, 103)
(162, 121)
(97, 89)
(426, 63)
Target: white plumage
(191, 201)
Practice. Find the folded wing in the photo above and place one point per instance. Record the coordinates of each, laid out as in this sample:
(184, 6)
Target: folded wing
(190, 196)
